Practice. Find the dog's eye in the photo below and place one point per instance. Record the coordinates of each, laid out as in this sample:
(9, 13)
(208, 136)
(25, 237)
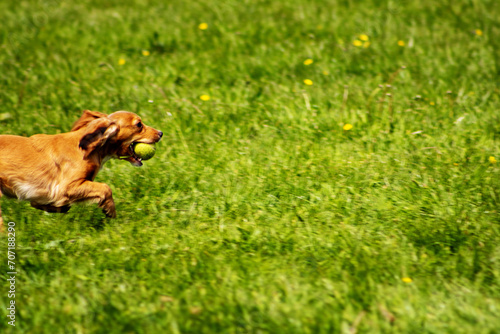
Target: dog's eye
(139, 125)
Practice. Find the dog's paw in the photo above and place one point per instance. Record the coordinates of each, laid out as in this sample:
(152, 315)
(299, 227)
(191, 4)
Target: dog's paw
(109, 210)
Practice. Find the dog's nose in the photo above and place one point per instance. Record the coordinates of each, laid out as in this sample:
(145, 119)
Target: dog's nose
(160, 134)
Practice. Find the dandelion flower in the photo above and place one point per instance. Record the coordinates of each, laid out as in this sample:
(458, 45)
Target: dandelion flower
(492, 160)
(203, 26)
(363, 37)
(347, 127)
(121, 61)
(145, 53)
(308, 82)
(195, 310)
(204, 97)
(308, 61)
(407, 279)
(432, 103)
(401, 43)
(478, 32)
(357, 43)
(325, 72)
(366, 44)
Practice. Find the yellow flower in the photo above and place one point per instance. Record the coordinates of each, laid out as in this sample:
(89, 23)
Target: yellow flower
(366, 44)
(492, 160)
(432, 103)
(308, 82)
(363, 37)
(121, 61)
(347, 127)
(325, 72)
(308, 61)
(357, 43)
(145, 53)
(203, 26)
(401, 43)
(407, 280)
(478, 32)
(205, 97)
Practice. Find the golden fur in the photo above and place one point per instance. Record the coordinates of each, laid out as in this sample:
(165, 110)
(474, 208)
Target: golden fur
(55, 171)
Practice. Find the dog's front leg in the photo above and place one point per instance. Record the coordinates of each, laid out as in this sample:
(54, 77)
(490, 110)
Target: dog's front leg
(94, 192)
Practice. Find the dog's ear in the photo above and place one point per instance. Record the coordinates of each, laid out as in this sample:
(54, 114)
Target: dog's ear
(96, 134)
(87, 117)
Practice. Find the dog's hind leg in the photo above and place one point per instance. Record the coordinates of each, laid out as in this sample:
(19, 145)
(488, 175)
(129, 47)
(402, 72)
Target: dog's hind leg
(50, 208)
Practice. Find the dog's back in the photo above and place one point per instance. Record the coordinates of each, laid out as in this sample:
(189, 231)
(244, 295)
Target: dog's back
(33, 168)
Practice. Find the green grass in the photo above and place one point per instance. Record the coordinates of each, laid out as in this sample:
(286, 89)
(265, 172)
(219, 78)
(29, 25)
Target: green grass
(259, 213)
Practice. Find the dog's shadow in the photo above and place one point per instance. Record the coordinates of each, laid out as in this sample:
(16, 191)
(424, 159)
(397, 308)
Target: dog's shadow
(99, 223)
(94, 219)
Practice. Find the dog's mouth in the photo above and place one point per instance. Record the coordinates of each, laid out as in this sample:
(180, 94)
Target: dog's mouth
(132, 157)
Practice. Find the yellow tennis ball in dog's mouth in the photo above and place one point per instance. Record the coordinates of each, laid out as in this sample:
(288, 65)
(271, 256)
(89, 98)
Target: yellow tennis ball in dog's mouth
(144, 151)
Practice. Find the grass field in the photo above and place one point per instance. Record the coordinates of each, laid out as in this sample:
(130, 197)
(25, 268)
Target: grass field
(355, 192)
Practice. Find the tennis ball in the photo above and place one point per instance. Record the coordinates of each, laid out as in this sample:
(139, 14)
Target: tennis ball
(144, 151)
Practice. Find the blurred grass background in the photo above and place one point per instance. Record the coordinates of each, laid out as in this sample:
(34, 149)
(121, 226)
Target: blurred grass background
(260, 213)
